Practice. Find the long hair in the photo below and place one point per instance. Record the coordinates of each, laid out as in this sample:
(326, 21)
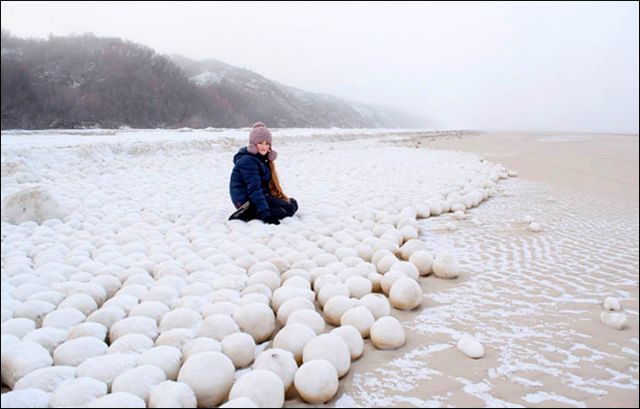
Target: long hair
(274, 185)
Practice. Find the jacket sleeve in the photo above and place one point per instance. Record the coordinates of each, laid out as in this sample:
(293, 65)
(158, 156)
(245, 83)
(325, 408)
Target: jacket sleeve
(249, 169)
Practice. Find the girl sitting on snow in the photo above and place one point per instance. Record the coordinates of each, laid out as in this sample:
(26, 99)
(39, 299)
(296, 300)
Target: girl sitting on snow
(255, 189)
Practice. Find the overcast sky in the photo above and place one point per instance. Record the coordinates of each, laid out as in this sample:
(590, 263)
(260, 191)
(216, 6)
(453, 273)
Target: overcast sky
(542, 66)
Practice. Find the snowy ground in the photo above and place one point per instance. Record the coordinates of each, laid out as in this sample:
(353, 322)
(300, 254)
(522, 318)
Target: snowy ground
(150, 208)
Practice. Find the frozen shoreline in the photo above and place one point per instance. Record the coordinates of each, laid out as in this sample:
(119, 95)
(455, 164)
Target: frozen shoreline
(180, 192)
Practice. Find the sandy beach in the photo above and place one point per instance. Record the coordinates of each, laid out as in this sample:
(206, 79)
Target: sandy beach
(533, 299)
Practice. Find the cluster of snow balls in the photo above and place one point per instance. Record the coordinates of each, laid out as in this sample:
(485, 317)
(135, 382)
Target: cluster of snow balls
(470, 347)
(171, 311)
(613, 317)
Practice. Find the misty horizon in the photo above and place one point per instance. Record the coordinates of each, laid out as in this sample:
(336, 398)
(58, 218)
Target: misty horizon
(560, 67)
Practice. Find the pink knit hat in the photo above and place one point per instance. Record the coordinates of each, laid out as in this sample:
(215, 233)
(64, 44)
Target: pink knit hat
(260, 133)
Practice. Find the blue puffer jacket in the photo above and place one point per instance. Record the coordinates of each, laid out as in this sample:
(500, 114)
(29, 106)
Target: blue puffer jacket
(250, 180)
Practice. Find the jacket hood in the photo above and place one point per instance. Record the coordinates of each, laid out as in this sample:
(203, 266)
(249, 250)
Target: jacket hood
(242, 152)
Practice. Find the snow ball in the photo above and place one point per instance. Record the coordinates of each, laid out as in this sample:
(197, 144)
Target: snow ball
(387, 333)
(377, 304)
(263, 266)
(316, 381)
(280, 362)
(220, 307)
(405, 294)
(210, 376)
(51, 297)
(336, 306)
(470, 347)
(25, 398)
(150, 309)
(240, 348)
(95, 291)
(384, 265)
(18, 327)
(294, 304)
(612, 304)
(297, 281)
(360, 318)
(162, 293)
(616, 320)
(240, 403)
(294, 338)
(46, 379)
(376, 280)
(50, 338)
(534, 227)
(180, 318)
(409, 233)
(258, 289)
(33, 310)
(176, 337)
(118, 400)
(88, 329)
(389, 279)
(269, 278)
(124, 302)
(423, 262)
(134, 325)
(201, 344)
(309, 318)
(324, 279)
(409, 269)
(131, 344)
(411, 247)
(31, 203)
(139, 381)
(257, 320)
(107, 316)
(262, 387)
(106, 367)
(379, 255)
(351, 336)
(20, 358)
(359, 286)
(329, 347)
(75, 351)
(165, 357)
(170, 394)
(283, 294)
(445, 265)
(252, 298)
(77, 393)
(331, 290)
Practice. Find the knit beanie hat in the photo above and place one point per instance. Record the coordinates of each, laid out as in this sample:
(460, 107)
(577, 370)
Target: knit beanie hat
(260, 133)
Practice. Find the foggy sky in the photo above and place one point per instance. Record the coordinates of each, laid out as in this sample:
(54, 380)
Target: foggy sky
(493, 66)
